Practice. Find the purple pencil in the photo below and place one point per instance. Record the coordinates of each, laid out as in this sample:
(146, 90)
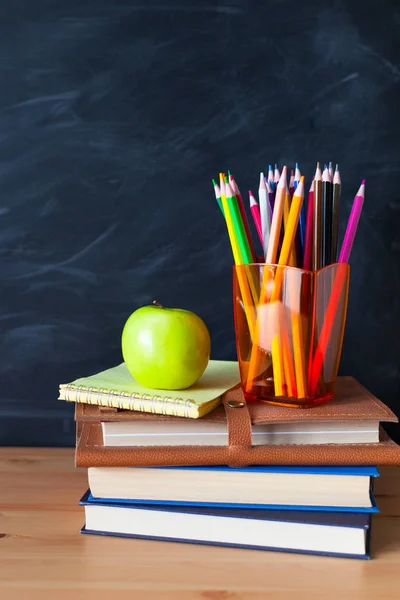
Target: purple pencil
(352, 224)
(271, 198)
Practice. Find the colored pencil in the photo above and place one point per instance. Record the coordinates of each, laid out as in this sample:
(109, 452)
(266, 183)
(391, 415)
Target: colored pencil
(307, 263)
(280, 347)
(291, 183)
(327, 189)
(330, 171)
(294, 297)
(286, 210)
(276, 222)
(271, 259)
(291, 225)
(317, 221)
(270, 178)
(301, 231)
(245, 255)
(297, 176)
(337, 289)
(277, 175)
(255, 211)
(218, 194)
(229, 223)
(271, 198)
(236, 191)
(264, 212)
(335, 213)
(352, 225)
(222, 185)
(245, 282)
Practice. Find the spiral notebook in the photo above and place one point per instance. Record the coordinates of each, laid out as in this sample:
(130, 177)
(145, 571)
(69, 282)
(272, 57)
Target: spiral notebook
(117, 388)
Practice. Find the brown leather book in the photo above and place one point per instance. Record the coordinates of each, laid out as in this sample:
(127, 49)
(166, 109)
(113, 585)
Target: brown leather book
(352, 401)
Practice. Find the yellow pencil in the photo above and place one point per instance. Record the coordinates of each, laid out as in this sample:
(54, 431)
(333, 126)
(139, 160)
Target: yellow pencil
(271, 256)
(229, 223)
(293, 219)
(286, 210)
(297, 337)
(241, 274)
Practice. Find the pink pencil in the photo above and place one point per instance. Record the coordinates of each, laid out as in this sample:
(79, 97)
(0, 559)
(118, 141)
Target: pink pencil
(352, 225)
(255, 211)
(309, 229)
(337, 289)
(239, 198)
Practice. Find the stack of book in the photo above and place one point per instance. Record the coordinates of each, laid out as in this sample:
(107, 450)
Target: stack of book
(245, 475)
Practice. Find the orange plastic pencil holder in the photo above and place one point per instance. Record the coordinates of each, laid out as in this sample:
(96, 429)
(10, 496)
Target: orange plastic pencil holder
(289, 338)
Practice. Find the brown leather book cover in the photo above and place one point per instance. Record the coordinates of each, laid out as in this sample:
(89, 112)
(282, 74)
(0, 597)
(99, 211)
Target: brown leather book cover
(352, 401)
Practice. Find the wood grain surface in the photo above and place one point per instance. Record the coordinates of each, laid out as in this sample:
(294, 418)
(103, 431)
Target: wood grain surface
(42, 554)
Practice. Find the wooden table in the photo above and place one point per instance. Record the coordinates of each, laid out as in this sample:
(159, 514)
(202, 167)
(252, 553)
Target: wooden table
(42, 554)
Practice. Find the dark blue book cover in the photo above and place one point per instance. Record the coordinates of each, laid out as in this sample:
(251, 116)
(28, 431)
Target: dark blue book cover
(354, 520)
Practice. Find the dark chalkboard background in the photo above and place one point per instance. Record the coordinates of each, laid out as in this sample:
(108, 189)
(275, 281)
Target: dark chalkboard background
(114, 117)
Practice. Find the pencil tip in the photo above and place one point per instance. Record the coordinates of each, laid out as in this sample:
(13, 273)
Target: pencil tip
(337, 167)
(318, 165)
(269, 167)
(363, 182)
(276, 167)
(229, 173)
(214, 182)
(296, 166)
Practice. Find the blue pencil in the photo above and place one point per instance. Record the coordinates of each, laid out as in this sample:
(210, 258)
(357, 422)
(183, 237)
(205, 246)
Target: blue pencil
(270, 178)
(297, 176)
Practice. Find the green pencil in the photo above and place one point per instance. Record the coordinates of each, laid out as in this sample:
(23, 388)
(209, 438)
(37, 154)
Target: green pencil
(240, 232)
(218, 195)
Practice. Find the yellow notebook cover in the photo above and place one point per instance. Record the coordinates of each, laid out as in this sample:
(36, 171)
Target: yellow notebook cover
(117, 388)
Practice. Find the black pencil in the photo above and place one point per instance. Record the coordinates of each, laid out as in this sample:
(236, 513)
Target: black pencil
(326, 218)
(317, 221)
(335, 213)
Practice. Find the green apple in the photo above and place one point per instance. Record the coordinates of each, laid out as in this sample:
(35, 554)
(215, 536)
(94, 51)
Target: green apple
(165, 348)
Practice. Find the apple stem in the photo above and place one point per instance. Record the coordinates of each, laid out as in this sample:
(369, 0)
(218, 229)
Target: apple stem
(157, 303)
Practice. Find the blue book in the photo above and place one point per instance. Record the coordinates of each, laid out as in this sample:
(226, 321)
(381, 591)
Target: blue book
(327, 533)
(315, 488)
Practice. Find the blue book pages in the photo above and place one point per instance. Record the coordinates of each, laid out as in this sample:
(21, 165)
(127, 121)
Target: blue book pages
(317, 517)
(89, 499)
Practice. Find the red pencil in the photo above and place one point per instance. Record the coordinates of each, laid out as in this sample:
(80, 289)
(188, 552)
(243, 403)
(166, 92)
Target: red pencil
(309, 229)
(239, 198)
(255, 211)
